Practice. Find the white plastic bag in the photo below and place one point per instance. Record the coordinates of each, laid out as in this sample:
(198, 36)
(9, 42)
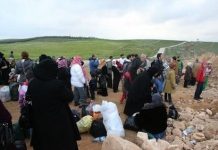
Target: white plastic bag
(5, 94)
(111, 119)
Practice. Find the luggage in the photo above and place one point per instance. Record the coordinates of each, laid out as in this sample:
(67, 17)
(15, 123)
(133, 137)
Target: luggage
(84, 124)
(5, 94)
(14, 91)
(111, 119)
(173, 113)
(98, 129)
(129, 124)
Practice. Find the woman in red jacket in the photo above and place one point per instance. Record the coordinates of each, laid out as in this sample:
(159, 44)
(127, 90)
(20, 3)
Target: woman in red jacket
(200, 79)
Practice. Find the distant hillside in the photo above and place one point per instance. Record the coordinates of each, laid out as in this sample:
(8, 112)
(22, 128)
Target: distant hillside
(83, 46)
(193, 49)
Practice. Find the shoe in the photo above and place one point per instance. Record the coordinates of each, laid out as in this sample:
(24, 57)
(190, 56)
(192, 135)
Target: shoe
(200, 97)
(196, 98)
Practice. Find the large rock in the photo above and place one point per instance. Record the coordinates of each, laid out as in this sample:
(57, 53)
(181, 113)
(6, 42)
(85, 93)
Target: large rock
(179, 142)
(141, 138)
(209, 112)
(199, 137)
(169, 130)
(203, 116)
(177, 132)
(155, 145)
(170, 138)
(185, 116)
(207, 145)
(211, 130)
(117, 143)
(179, 125)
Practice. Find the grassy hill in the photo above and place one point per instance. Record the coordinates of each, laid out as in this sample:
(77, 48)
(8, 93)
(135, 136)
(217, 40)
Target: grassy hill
(193, 49)
(71, 46)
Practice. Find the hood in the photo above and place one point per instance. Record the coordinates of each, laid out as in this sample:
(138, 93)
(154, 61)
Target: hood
(46, 70)
(156, 102)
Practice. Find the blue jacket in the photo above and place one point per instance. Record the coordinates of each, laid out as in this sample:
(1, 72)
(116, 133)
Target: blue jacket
(93, 65)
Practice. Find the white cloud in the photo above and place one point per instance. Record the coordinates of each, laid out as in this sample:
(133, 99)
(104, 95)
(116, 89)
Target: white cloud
(114, 19)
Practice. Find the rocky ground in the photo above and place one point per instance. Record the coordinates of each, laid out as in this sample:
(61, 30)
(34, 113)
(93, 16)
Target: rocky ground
(195, 129)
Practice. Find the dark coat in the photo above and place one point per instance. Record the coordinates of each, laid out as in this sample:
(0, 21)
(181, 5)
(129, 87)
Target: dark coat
(188, 73)
(152, 120)
(53, 125)
(4, 73)
(139, 93)
(5, 116)
(64, 75)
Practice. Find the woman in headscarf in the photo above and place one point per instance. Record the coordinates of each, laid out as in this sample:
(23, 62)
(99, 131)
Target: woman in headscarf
(188, 75)
(54, 128)
(102, 78)
(5, 117)
(152, 118)
(4, 69)
(170, 83)
(140, 91)
(23, 67)
(78, 80)
(64, 72)
(116, 75)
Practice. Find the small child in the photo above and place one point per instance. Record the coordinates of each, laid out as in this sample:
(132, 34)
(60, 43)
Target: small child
(12, 76)
(93, 86)
(22, 94)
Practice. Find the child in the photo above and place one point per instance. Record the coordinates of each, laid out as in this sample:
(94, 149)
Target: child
(93, 86)
(22, 94)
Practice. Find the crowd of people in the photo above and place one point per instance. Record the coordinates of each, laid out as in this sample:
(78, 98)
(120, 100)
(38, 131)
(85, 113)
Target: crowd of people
(51, 84)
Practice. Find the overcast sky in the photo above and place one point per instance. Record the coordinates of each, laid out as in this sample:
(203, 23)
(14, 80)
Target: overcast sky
(111, 19)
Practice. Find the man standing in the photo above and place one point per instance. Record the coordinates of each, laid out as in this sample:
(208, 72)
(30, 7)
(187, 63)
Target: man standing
(93, 64)
(200, 79)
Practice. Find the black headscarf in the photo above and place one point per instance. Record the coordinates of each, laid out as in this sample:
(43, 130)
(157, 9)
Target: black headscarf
(47, 69)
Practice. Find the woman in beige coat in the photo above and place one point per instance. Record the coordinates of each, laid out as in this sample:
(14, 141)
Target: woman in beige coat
(170, 83)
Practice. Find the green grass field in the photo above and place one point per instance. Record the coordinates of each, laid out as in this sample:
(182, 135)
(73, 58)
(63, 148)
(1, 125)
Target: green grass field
(85, 47)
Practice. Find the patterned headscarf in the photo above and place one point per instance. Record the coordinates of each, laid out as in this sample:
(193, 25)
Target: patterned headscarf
(62, 63)
(76, 60)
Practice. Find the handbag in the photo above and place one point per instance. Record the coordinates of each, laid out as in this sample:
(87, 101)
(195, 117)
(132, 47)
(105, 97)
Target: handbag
(6, 136)
(25, 120)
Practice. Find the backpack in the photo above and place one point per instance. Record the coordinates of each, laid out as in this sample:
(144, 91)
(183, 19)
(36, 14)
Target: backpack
(173, 113)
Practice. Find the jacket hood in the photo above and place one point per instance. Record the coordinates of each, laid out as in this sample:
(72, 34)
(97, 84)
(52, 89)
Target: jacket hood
(156, 102)
(46, 70)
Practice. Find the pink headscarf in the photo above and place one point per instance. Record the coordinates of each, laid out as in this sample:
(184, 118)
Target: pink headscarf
(76, 60)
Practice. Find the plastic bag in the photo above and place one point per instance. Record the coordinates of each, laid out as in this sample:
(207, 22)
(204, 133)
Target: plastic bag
(130, 124)
(111, 119)
(5, 94)
(84, 124)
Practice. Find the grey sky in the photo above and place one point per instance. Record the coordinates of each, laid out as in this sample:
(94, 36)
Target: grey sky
(112, 19)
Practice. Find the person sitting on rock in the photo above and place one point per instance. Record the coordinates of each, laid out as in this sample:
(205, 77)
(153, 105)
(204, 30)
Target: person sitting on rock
(152, 118)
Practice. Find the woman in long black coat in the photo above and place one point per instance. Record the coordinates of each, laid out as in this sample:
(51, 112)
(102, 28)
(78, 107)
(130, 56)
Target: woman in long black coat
(140, 91)
(53, 124)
